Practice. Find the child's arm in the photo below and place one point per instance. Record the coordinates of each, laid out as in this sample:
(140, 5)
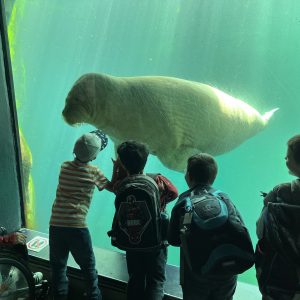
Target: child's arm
(268, 197)
(168, 191)
(118, 174)
(14, 238)
(101, 181)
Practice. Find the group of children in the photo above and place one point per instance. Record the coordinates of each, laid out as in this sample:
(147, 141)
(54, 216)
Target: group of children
(69, 233)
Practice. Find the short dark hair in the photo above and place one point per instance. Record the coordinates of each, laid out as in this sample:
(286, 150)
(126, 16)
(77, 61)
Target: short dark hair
(133, 156)
(294, 145)
(202, 168)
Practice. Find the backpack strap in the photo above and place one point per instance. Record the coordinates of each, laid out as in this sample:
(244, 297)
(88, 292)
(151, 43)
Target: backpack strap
(136, 178)
(217, 192)
(209, 191)
(150, 179)
(153, 175)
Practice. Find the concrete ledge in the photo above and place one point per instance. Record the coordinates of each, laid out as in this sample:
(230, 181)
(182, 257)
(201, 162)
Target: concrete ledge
(113, 277)
(112, 270)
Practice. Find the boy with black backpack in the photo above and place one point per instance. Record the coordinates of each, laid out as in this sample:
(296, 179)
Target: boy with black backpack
(278, 231)
(140, 222)
(214, 243)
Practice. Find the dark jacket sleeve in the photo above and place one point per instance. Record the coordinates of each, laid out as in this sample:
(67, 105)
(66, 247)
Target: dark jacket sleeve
(118, 174)
(270, 197)
(175, 222)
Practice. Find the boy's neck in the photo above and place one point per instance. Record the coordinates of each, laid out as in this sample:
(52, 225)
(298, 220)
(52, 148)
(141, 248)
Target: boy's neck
(80, 162)
(194, 184)
(140, 173)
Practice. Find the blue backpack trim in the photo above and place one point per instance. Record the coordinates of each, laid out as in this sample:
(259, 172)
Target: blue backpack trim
(211, 223)
(233, 256)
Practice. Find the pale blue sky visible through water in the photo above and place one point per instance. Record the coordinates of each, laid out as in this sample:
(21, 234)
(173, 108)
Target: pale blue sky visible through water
(249, 49)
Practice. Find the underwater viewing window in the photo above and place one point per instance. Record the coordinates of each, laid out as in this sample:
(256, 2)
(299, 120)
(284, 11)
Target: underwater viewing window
(242, 55)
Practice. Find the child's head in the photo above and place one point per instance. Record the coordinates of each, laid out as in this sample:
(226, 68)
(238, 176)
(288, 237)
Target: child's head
(133, 156)
(201, 169)
(89, 145)
(293, 155)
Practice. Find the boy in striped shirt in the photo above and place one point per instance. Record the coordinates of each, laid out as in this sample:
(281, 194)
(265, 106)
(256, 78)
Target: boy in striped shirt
(68, 229)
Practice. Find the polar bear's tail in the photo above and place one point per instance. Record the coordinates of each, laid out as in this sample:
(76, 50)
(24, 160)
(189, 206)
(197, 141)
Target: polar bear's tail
(266, 117)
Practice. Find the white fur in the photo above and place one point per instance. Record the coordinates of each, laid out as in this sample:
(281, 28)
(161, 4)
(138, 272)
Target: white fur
(176, 118)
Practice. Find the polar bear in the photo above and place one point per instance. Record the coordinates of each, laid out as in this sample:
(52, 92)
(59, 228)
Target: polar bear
(176, 118)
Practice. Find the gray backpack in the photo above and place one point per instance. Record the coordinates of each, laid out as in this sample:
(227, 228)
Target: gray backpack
(137, 221)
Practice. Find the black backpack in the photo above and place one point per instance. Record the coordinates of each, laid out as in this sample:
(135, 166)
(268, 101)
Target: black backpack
(214, 239)
(137, 221)
(278, 252)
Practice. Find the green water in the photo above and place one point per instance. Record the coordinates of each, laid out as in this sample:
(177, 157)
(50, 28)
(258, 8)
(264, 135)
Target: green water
(249, 49)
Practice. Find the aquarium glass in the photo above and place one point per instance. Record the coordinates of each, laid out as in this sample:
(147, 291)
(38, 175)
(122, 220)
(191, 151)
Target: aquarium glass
(248, 49)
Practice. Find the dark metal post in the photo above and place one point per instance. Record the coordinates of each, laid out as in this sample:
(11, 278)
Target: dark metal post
(11, 189)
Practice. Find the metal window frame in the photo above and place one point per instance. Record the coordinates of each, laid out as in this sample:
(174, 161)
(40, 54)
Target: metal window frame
(12, 108)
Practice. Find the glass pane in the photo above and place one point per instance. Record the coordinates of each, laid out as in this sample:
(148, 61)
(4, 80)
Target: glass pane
(247, 49)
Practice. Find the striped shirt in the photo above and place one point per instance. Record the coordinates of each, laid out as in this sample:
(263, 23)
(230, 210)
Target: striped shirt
(74, 193)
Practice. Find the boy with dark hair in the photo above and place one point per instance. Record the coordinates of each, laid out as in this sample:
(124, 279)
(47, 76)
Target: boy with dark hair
(200, 175)
(201, 168)
(133, 156)
(146, 268)
(68, 229)
(278, 231)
